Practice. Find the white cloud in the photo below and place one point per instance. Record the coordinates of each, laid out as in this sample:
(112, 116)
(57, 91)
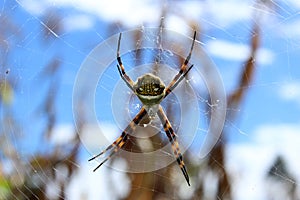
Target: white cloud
(237, 52)
(95, 136)
(62, 134)
(227, 12)
(34, 7)
(294, 3)
(130, 12)
(291, 29)
(103, 184)
(133, 13)
(71, 23)
(177, 24)
(77, 22)
(265, 56)
(249, 163)
(290, 91)
(283, 139)
(279, 136)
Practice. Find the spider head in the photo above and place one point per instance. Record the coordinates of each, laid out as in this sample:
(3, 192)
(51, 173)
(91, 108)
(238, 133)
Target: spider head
(149, 89)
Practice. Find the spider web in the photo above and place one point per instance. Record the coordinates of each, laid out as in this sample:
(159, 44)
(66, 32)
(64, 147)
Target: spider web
(46, 139)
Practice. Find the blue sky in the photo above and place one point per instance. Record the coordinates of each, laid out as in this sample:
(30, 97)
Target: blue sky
(229, 31)
(272, 102)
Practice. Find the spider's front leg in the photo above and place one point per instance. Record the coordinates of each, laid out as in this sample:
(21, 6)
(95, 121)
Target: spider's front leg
(121, 67)
(172, 138)
(118, 143)
(183, 70)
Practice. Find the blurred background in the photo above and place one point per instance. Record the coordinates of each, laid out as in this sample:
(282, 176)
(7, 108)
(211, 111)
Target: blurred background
(255, 47)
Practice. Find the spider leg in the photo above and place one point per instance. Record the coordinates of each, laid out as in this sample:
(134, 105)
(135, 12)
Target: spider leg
(183, 71)
(121, 67)
(170, 89)
(115, 150)
(114, 144)
(172, 138)
(118, 143)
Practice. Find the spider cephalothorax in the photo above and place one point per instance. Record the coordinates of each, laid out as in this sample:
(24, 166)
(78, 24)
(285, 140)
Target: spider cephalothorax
(151, 91)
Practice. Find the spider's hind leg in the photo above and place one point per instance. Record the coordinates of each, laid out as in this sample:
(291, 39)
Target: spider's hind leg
(119, 143)
(172, 138)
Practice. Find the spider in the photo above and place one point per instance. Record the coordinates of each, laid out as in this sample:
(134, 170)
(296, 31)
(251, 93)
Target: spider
(151, 91)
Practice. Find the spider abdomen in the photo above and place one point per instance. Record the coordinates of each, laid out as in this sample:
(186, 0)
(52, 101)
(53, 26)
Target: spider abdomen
(149, 89)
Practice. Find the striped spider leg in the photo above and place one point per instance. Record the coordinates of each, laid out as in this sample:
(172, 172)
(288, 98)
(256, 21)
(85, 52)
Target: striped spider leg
(118, 143)
(172, 139)
(183, 70)
(121, 68)
(151, 91)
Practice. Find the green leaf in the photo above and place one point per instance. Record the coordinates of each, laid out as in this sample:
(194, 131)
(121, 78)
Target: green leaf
(5, 188)
(6, 93)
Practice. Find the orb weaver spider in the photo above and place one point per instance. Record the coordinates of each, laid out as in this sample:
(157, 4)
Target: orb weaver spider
(151, 91)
